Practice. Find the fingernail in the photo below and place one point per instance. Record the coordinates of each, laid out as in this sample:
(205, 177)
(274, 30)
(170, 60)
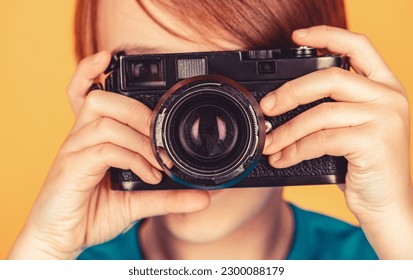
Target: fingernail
(156, 173)
(168, 163)
(97, 58)
(276, 157)
(301, 33)
(267, 103)
(197, 200)
(268, 140)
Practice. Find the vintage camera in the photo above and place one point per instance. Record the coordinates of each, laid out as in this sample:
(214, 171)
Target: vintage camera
(207, 129)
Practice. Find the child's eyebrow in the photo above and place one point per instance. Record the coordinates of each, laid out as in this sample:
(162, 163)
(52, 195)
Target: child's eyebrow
(136, 49)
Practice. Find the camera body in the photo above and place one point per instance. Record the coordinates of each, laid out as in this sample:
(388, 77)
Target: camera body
(207, 121)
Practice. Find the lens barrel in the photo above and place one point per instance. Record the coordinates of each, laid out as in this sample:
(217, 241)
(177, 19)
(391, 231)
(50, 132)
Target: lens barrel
(207, 132)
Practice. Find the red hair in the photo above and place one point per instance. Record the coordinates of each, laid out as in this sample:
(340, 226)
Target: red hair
(259, 24)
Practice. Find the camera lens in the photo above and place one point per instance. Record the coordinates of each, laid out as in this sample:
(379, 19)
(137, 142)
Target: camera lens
(211, 129)
(208, 132)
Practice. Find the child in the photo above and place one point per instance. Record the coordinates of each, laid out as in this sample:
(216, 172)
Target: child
(368, 125)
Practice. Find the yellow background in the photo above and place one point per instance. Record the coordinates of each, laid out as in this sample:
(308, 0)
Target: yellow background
(36, 48)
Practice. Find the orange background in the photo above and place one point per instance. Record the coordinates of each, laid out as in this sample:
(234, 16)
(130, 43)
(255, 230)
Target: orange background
(37, 62)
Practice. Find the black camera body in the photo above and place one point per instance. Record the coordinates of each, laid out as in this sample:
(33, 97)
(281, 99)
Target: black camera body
(207, 129)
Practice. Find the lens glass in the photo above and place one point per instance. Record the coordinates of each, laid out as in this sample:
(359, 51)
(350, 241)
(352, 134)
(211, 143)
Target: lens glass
(208, 131)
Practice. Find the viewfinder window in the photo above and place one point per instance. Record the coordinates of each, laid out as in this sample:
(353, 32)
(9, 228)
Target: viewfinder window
(147, 73)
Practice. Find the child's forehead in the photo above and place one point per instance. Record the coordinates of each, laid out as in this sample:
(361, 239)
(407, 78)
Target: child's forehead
(125, 25)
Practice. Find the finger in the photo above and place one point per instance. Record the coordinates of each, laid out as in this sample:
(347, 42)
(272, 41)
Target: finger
(154, 203)
(126, 110)
(335, 142)
(87, 167)
(106, 130)
(336, 83)
(87, 71)
(327, 115)
(364, 58)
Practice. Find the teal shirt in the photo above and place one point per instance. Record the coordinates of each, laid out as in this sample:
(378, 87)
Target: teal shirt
(316, 237)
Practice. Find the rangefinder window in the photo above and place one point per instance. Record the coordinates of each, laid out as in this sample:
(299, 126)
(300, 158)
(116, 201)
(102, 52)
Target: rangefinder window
(145, 73)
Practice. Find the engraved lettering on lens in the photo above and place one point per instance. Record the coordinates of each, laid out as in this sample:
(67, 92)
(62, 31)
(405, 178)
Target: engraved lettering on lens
(159, 123)
(254, 118)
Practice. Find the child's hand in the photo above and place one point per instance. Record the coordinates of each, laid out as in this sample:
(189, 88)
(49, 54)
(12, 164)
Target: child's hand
(76, 207)
(369, 125)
